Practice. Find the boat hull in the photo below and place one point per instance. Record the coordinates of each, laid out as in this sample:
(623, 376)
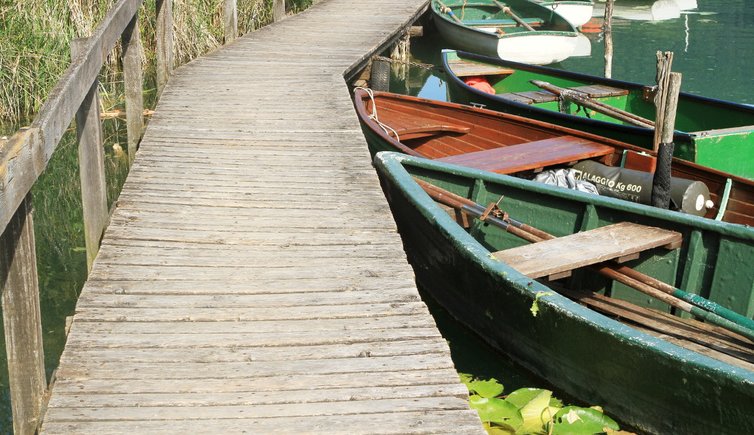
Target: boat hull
(576, 12)
(720, 134)
(647, 382)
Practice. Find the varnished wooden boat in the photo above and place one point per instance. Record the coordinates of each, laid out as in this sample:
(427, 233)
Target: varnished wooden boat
(644, 371)
(482, 26)
(714, 133)
(510, 144)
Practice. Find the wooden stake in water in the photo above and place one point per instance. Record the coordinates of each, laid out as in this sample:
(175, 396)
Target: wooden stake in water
(666, 101)
(608, 34)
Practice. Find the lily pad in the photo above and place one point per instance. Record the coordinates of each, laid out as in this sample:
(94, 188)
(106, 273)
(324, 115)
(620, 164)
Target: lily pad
(488, 388)
(496, 411)
(537, 413)
(522, 396)
(573, 420)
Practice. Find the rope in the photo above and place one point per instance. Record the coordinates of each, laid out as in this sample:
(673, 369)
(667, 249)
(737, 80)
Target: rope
(386, 128)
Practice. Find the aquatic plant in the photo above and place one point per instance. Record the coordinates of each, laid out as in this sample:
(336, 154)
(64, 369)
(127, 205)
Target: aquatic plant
(533, 411)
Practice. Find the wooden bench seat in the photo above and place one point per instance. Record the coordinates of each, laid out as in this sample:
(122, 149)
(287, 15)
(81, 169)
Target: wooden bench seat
(503, 22)
(430, 130)
(465, 68)
(542, 96)
(531, 155)
(556, 258)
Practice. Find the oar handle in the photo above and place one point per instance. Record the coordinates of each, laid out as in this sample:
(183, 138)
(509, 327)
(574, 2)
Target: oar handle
(507, 11)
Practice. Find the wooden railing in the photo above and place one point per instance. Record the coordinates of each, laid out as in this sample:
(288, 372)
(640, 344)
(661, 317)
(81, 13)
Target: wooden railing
(25, 156)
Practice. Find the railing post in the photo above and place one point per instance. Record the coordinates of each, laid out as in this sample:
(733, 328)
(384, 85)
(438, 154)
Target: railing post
(164, 31)
(22, 320)
(91, 165)
(132, 77)
(278, 10)
(230, 14)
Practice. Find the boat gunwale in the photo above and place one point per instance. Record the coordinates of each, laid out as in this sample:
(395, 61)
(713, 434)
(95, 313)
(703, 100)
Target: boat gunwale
(393, 163)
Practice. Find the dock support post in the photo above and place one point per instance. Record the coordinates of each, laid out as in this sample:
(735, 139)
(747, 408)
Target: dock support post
(230, 14)
(666, 101)
(22, 320)
(607, 27)
(164, 33)
(91, 165)
(278, 10)
(134, 88)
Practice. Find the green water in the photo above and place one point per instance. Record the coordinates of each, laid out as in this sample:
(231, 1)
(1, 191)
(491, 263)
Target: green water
(712, 46)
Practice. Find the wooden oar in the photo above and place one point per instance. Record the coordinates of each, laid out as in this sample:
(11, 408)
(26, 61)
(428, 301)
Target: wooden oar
(446, 10)
(597, 106)
(707, 310)
(507, 11)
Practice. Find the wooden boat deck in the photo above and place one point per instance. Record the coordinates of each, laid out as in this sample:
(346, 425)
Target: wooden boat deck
(252, 279)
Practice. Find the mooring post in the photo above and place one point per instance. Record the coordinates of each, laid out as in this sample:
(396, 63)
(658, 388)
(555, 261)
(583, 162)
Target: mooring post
(134, 88)
(607, 27)
(278, 10)
(22, 320)
(230, 14)
(666, 101)
(91, 165)
(164, 34)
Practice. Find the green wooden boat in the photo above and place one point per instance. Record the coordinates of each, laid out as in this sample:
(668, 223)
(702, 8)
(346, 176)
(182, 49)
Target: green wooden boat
(517, 30)
(643, 371)
(714, 133)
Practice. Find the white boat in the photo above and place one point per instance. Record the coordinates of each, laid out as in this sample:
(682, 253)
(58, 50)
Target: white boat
(643, 10)
(577, 12)
(516, 30)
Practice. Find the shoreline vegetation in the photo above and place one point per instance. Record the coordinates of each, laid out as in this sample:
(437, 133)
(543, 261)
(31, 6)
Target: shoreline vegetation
(35, 40)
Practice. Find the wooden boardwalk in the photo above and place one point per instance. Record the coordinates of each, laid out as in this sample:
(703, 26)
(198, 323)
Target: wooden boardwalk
(251, 279)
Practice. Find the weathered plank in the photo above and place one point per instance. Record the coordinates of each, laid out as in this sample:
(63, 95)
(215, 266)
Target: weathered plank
(564, 254)
(134, 87)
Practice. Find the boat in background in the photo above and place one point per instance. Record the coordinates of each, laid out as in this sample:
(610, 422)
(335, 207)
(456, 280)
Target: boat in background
(510, 144)
(517, 30)
(643, 371)
(646, 10)
(577, 12)
(714, 133)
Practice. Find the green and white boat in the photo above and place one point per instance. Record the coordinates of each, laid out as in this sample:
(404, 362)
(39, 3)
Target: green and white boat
(709, 132)
(517, 30)
(577, 12)
(658, 372)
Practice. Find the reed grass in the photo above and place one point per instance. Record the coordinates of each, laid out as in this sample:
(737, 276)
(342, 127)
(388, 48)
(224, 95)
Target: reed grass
(35, 38)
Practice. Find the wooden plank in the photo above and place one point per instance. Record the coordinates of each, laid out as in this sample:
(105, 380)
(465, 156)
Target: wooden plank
(531, 155)
(601, 91)
(22, 320)
(464, 68)
(586, 248)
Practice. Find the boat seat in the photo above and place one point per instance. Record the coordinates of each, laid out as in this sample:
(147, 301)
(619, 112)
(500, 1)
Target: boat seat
(557, 258)
(600, 91)
(531, 155)
(542, 96)
(503, 22)
(430, 130)
(463, 68)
